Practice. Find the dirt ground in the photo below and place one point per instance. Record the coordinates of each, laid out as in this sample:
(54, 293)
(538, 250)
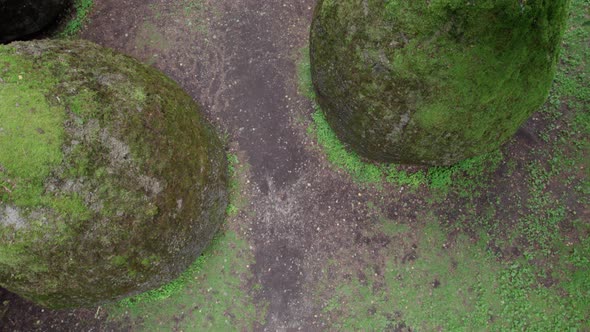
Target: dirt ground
(304, 221)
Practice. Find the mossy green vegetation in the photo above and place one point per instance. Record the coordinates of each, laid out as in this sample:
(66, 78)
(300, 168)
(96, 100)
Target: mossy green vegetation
(432, 82)
(458, 286)
(237, 171)
(80, 14)
(111, 182)
(465, 175)
(209, 296)
(31, 133)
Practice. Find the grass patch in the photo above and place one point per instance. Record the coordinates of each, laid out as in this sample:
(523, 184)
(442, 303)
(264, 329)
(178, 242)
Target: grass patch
(234, 185)
(457, 287)
(339, 156)
(82, 10)
(209, 295)
(236, 171)
(540, 227)
(304, 80)
(174, 287)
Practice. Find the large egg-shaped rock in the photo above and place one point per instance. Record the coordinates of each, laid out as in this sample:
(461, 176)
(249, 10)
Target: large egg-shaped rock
(111, 181)
(432, 82)
(19, 18)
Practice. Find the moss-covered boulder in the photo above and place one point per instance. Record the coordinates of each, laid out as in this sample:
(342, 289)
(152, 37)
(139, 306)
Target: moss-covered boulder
(111, 182)
(19, 18)
(432, 82)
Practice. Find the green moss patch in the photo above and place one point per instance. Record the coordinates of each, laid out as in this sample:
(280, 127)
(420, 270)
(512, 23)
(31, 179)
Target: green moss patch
(465, 175)
(80, 14)
(432, 83)
(31, 131)
(111, 182)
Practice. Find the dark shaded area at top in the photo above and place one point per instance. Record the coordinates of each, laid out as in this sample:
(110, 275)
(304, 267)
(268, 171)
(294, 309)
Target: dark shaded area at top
(24, 19)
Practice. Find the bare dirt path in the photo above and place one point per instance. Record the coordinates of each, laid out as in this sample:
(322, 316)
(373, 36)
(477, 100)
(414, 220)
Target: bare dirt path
(238, 64)
(241, 65)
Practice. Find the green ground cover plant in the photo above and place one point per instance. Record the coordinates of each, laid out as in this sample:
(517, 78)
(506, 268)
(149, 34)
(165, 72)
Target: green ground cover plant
(456, 287)
(208, 296)
(81, 12)
(237, 170)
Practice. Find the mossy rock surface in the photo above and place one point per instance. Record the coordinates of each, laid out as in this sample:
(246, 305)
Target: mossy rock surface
(111, 183)
(432, 82)
(19, 18)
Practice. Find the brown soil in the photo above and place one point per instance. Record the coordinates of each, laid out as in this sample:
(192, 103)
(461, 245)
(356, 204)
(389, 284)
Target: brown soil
(19, 315)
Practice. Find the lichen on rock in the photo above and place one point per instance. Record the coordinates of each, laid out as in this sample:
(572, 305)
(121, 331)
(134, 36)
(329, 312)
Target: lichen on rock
(96, 151)
(432, 82)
